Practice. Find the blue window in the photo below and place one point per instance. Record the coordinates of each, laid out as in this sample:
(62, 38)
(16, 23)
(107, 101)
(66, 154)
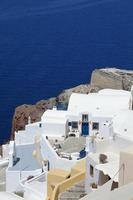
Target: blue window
(69, 123)
(75, 125)
(95, 126)
(84, 118)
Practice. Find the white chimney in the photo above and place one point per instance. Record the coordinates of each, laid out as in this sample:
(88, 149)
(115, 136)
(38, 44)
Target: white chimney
(54, 108)
(29, 120)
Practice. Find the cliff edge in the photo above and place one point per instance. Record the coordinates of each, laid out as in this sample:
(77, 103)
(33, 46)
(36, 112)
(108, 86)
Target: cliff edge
(101, 78)
(112, 78)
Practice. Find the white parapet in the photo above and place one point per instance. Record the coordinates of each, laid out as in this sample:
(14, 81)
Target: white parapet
(12, 153)
(9, 196)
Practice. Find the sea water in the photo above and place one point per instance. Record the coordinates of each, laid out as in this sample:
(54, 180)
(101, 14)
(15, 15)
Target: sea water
(49, 45)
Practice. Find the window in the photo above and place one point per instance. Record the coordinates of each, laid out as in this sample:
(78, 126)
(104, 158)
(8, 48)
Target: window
(85, 118)
(69, 123)
(75, 125)
(91, 170)
(95, 126)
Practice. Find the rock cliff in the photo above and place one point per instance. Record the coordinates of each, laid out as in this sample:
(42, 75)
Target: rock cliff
(101, 78)
(112, 78)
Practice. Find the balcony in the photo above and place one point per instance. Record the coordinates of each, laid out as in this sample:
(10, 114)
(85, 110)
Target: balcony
(35, 188)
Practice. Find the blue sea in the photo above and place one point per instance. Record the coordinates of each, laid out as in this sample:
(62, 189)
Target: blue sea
(49, 45)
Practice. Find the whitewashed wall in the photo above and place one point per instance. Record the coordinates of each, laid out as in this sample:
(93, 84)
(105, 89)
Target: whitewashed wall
(104, 128)
(13, 178)
(54, 160)
(27, 136)
(58, 129)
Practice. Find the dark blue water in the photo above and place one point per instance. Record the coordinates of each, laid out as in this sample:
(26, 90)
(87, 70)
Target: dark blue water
(49, 45)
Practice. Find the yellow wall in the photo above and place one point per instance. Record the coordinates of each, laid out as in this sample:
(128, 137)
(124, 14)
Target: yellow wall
(59, 180)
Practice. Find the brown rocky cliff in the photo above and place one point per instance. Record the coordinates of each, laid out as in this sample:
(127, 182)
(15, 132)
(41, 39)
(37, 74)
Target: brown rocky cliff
(22, 113)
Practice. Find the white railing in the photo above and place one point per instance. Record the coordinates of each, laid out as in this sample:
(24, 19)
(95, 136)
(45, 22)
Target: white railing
(55, 161)
(29, 191)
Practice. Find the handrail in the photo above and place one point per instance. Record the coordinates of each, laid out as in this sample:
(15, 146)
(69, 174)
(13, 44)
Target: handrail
(36, 177)
(66, 184)
(25, 183)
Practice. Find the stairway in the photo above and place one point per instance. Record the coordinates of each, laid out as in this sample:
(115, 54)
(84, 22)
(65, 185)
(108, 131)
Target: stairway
(74, 193)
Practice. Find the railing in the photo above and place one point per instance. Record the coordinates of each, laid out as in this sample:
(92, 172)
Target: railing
(68, 183)
(55, 161)
(25, 184)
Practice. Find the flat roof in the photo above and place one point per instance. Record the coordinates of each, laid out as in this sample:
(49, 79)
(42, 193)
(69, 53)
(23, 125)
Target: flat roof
(111, 167)
(98, 102)
(73, 144)
(123, 193)
(114, 92)
(26, 160)
(9, 196)
(122, 124)
(55, 120)
(54, 114)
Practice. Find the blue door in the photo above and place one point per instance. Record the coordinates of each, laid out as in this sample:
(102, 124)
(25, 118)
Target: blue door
(85, 128)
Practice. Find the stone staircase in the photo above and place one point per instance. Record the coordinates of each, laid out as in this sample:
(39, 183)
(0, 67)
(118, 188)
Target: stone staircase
(74, 193)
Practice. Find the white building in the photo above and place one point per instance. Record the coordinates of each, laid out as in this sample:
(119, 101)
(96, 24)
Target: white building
(22, 165)
(55, 123)
(27, 136)
(117, 151)
(87, 115)
(76, 118)
(122, 125)
(114, 177)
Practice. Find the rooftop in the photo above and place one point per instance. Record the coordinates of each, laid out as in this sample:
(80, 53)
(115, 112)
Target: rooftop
(26, 161)
(111, 167)
(123, 125)
(70, 145)
(36, 186)
(95, 102)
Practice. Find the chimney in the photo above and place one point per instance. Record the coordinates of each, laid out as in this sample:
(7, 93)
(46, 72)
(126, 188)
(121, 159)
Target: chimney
(54, 108)
(29, 120)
